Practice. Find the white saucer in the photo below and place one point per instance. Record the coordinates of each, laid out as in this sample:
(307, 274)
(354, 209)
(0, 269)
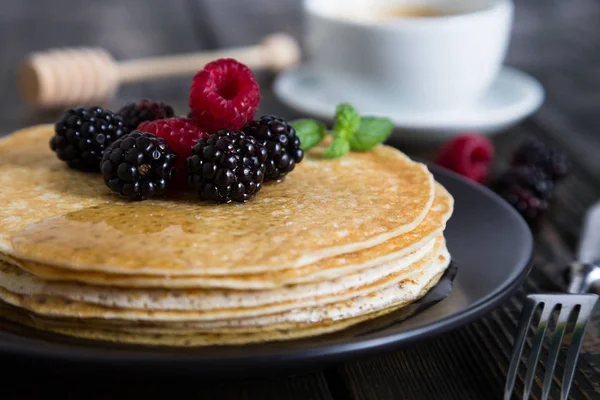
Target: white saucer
(513, 96)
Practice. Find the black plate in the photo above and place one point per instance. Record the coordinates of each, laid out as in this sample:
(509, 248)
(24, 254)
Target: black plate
(489, 243)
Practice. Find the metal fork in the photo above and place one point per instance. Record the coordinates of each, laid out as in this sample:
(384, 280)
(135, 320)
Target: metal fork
(565, 305)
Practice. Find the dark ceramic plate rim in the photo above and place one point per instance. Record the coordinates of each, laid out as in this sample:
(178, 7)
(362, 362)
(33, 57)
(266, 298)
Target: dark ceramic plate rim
(253, 355)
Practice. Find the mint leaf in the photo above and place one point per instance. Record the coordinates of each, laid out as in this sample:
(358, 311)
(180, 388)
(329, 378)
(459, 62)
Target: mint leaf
(338, 147)
(371, 132)
(347, 120)
(309, 131)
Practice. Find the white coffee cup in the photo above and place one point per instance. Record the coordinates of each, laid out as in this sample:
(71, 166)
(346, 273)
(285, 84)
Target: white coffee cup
(432, 63)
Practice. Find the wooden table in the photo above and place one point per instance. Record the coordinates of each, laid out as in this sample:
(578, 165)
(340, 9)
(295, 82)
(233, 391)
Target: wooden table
(557, 41)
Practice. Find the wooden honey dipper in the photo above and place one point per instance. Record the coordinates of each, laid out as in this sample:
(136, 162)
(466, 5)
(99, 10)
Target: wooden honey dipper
(69, 76)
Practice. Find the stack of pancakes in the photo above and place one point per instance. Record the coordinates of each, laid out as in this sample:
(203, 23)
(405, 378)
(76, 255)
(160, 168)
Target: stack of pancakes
(336, 243)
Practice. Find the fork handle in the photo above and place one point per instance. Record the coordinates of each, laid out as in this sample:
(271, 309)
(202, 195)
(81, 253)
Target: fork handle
(583, 276)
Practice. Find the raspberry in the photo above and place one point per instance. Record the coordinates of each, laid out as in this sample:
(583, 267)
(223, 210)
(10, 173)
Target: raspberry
(469, 155)
(134, 114)
(224, 95)
(181, 134)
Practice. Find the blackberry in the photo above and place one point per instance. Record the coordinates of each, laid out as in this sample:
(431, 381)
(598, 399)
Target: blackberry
(526, 203)
(534, 179)
(227, 166)
(528, 189)
(538, 154)
(282, 144)
(82, 134)
(138, 166)
(134, 114)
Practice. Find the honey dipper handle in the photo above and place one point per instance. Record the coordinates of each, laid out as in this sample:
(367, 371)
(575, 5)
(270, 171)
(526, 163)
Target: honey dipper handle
(70, 76)
(275, 52)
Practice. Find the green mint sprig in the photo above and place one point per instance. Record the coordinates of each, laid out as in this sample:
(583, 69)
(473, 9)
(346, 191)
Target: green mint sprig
(371, 132)
(347, 121)
(351, 132)
(338, 147)
(310, 132)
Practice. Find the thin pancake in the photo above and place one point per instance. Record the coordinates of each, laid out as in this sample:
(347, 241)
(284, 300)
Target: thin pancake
(13, 279)
(23, 283)
(60, 307)
(202, 339)
(408, 290)
(330, 268)
(324, 208)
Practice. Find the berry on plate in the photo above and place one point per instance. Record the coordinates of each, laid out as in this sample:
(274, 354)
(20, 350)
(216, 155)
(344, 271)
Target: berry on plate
(134, 114)
(469, 155)
(527, 188)
(283, 146)
(227, 166)
(536, 153)
(138, 166)
(224, 95)
(82, 134)
(181, 134)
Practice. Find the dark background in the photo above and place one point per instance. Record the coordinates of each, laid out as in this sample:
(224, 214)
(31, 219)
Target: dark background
(554, 40)
(557, 41)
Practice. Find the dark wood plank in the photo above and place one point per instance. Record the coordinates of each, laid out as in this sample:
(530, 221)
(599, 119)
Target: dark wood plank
(232, 23)
(128, 30)
(104, 386)
(239, 23)
(469, 363)
(476, 357)
(558, 42)
(554, 40)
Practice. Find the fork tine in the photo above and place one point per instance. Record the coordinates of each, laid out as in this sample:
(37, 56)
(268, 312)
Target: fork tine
(586, 306)
(536, 347)
(557, 338)
(526, 316)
